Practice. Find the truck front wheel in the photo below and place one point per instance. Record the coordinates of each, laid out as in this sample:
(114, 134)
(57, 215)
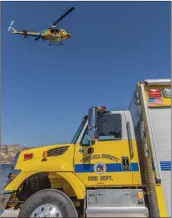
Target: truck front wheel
(48, 203)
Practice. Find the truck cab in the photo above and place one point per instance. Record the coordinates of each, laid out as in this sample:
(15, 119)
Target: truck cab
(113, 148)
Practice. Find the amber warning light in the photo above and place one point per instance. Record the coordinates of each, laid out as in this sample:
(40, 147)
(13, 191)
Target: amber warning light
(45, 154)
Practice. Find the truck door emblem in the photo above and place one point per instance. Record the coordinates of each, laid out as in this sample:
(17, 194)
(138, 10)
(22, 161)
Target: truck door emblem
(99, 168)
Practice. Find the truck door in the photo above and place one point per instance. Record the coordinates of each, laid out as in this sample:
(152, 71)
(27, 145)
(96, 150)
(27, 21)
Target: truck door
(108, 161)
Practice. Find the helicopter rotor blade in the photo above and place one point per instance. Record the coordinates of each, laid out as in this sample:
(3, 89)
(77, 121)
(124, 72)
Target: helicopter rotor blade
(63, 16)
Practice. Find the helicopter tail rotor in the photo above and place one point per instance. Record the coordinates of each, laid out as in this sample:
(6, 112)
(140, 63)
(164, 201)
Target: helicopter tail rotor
(10, 27)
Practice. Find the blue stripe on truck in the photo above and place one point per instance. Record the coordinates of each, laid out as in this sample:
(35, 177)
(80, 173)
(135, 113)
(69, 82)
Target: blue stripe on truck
(165, 165)
(89, 168)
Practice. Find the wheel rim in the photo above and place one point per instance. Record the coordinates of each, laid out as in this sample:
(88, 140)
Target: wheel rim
(46, 210)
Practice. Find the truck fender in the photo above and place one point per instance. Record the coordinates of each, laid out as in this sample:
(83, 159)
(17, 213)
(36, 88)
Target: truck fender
(72, 179)
(19, 179)
(75, 183)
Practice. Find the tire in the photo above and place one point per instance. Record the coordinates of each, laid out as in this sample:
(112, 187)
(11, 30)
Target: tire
(56, 198)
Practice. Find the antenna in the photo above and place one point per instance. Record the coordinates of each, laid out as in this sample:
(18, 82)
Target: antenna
(9, 28)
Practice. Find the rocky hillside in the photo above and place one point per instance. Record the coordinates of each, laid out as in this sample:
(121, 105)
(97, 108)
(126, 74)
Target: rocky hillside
(8, 152)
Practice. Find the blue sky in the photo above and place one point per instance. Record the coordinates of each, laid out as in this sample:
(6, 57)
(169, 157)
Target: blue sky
(47, 90)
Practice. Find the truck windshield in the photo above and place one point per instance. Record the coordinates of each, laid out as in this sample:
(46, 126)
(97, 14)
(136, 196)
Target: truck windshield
(109, 127)
(79, 130)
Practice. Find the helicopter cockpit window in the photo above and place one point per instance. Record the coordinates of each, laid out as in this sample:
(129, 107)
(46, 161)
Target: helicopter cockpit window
(52, 30)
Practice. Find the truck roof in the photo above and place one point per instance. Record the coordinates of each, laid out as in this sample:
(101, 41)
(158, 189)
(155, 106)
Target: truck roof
(156, 82)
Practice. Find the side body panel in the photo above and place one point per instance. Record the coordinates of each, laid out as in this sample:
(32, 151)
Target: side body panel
(152, 118)
(159, 124)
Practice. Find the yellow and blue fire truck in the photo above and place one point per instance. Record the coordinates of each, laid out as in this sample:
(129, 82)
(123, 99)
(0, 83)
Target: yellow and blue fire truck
(117, 165)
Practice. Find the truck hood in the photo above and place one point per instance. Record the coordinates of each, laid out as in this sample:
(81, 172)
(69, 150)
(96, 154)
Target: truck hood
(38, 152)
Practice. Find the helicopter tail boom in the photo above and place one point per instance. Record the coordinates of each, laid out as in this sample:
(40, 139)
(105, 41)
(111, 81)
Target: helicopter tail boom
(11, 28)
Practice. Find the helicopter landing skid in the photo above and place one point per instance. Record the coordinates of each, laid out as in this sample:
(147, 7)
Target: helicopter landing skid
(57, 44)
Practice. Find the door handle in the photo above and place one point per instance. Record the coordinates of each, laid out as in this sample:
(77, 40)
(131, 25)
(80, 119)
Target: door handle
(125, 163)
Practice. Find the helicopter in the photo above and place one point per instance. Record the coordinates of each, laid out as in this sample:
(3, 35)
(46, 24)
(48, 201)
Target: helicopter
(53, 34)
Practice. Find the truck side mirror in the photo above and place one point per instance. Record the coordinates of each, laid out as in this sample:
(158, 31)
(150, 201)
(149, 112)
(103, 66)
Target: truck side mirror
(92, 117)
(92, 124)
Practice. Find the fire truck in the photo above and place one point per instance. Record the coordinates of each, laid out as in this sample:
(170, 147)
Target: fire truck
(117, 165)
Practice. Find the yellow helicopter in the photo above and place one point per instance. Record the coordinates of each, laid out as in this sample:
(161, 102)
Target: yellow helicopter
(52, 34)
